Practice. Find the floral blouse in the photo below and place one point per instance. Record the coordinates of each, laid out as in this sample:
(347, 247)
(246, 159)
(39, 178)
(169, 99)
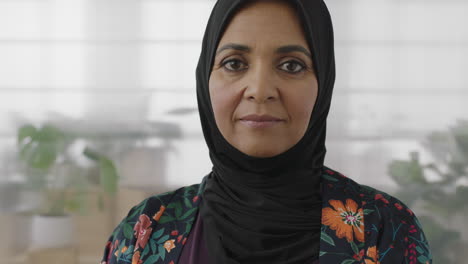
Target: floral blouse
(360, 225)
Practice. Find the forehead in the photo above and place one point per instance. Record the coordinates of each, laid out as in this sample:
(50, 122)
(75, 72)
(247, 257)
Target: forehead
(264, 22)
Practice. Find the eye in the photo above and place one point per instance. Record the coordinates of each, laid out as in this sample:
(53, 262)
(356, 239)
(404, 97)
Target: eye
(292, 65)
(232, 63)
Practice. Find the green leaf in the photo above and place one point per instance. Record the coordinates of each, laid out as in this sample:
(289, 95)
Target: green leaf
(151, 259)
(49, 133)
(162, 252)
(348, 261)
(163, 239)
(129, 249)
(188, 227)
(157, 234)
(178, 212)
(26, 131)
(187, 202)
(164, 219)
(145, 252)
(327, 238)
(329, 178)
(354, 247)
(43, 156)
(174, 205)
(128, 231)
(422, 259)
(322, 253)
(368, 211)
(420, 250)
(153, 246)
(91, 154)
(188, 213)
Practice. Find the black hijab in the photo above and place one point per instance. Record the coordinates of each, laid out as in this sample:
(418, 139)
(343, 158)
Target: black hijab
(266, 210)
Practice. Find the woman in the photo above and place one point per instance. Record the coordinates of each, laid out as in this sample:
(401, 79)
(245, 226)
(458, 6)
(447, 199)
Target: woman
(264, 85)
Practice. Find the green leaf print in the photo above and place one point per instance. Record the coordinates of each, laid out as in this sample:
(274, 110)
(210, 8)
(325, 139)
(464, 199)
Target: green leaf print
(187, 202)
(157, 234)
(128, 231)
(163, 239)
(153, 246)
(329, 178)
(354, 247)
(164, 219)
(152, 259)
(162, 252)
(327, 238)
(188, 213)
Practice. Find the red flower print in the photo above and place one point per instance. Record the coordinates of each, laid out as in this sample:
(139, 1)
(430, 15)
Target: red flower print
(111, 246)
(412, 253)
(359, 257)
(183, 241)
(409, 211)
(398, 206)
(195, 199)
(174, 233)
(179, 238)
(142, 231)
(380, 197)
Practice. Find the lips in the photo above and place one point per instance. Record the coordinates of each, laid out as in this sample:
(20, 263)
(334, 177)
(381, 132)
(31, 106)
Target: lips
(260, 118)
(260, 121)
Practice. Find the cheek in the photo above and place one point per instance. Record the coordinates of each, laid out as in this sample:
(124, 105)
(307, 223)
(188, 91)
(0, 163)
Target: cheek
(301, 108)
(223, 101)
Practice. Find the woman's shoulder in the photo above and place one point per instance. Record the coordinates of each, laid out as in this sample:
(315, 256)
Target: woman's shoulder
(387, 227)
(155, 228)
(370, 199)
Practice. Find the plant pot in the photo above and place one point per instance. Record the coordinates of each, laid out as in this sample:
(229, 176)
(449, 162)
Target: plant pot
(52, 232)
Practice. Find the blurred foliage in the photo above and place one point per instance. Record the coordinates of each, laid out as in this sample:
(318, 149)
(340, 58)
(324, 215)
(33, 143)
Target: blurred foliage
(51, 170)
(442, 196)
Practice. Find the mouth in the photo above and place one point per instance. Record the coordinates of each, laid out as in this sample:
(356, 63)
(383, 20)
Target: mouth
(260, 121)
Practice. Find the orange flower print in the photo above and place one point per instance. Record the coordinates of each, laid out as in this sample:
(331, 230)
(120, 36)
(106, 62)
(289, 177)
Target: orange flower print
(142, 231)
(124, 249)
(158, 214)
(136, 258)
(346, 220)
(373, 256)
(169, 245)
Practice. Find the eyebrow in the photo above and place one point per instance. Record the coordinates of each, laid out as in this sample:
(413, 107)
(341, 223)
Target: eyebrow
(282, 49)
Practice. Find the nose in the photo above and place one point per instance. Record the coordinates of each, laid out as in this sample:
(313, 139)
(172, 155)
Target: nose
(261, 87)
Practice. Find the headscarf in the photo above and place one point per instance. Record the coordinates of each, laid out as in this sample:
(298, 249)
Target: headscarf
(266, 209)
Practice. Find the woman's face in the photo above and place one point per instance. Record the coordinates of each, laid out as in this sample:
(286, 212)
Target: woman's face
(263, 66)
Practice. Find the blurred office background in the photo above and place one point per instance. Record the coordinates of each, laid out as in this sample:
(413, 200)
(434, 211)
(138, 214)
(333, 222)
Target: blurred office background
(118, 77)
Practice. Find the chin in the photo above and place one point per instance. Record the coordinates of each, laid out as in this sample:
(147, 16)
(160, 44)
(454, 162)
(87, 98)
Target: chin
(261, 153)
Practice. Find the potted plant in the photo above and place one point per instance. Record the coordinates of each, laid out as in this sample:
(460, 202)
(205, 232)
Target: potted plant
(62, 183)
(440, 188)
